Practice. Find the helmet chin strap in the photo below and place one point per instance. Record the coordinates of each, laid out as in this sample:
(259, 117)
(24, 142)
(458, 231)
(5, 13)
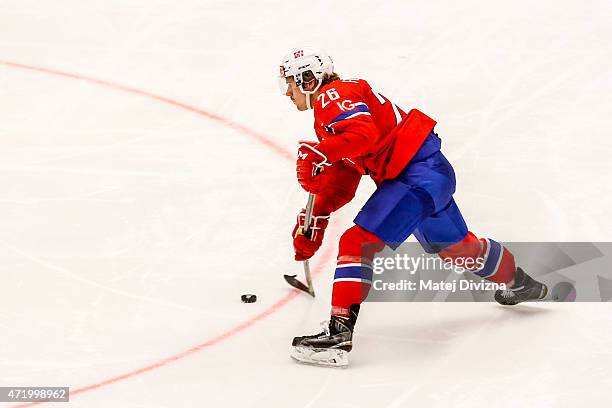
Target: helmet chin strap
(309, 93)
(308, 100)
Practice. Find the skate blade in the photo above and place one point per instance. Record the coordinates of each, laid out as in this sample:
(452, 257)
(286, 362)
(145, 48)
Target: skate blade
(320, 357)
(545, 296)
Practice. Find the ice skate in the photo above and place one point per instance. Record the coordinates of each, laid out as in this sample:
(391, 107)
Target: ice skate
(328, 348)
(525, 288)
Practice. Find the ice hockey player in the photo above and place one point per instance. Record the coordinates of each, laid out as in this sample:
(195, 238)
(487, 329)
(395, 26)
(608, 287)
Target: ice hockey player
(361, 132)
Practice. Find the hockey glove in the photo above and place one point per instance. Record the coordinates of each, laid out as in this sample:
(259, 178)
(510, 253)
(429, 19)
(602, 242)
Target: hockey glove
(310, 162)
(306, 244)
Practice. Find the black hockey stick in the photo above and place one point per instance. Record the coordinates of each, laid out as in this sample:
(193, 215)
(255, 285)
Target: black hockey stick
(291, 279)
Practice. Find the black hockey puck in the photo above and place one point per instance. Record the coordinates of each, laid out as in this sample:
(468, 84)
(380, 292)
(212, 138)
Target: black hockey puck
(248, 298)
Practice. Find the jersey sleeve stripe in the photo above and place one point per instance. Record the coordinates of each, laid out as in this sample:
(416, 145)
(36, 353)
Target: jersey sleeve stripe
(360, 109)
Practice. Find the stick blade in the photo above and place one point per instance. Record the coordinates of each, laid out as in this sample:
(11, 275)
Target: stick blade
(292, 280)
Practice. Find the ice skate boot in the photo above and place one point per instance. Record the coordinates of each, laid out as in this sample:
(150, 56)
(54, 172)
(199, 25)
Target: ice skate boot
(525, 288)
(331, 346)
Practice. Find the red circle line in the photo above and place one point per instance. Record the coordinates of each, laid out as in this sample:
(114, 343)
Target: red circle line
(255, 136)
(266, 141)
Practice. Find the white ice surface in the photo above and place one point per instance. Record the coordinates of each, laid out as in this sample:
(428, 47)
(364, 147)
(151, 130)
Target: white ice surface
(130, 227)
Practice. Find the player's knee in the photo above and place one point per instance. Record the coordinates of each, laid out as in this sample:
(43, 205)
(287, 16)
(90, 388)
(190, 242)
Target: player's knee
(485, 257)
(356, 241)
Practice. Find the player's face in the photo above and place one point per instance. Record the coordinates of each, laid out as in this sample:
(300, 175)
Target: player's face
(296, 95)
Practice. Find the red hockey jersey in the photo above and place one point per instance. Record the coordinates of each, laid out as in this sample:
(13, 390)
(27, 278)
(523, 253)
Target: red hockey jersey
(358, 125)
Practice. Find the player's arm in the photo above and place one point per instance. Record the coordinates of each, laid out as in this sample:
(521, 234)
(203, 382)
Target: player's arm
(351, 134)
(352, 137)
(339, 184)
(346, 115)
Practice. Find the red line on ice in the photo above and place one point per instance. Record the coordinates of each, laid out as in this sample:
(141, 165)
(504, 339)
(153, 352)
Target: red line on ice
(226, 122)
(254, 136)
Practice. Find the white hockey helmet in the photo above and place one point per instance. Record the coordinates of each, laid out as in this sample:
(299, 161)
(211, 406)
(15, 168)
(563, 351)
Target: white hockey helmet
(305, 65)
